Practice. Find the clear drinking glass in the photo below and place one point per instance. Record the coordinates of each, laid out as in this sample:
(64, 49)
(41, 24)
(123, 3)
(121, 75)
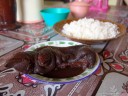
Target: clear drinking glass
(7, 14)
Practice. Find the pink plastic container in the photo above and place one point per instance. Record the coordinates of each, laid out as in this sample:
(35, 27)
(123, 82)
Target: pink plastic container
(99, 5)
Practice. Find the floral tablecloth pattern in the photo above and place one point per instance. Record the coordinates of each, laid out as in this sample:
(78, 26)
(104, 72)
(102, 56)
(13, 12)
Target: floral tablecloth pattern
(114, 59)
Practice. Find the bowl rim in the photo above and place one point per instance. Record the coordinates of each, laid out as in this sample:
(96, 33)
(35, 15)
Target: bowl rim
(45, 10)
(81, 4)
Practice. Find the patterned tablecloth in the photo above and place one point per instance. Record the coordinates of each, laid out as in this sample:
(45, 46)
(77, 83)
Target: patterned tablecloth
(111, 79)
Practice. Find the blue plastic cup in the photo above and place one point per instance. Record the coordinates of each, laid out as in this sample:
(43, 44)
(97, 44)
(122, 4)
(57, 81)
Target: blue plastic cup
(54, 15)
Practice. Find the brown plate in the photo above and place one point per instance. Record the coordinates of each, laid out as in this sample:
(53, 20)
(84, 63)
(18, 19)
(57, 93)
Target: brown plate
(59, 26)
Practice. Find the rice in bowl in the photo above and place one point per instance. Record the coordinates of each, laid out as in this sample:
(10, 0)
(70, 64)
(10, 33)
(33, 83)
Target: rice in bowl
(88, 28)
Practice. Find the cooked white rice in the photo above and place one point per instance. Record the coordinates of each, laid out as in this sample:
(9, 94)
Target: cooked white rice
(90, 29)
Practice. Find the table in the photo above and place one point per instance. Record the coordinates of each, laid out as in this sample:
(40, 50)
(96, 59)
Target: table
(109, 80)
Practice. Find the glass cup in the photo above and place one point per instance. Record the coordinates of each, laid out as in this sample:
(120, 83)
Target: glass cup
(7, 14)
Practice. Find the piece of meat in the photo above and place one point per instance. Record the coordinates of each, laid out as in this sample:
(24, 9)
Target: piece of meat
(44, 61)
(78, 55)
(22, 61)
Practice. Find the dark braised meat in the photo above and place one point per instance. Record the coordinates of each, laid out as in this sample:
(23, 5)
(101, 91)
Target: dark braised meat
(22, 61)
(57, 62)
(69, 61)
